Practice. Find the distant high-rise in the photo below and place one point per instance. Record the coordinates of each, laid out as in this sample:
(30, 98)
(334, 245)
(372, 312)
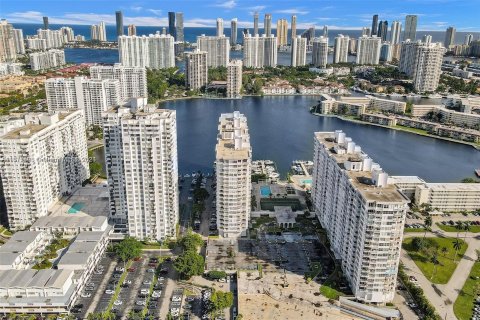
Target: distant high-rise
(245, 31)
(422, 62)
(233, 164)
(164, 31)
(41, 162)
(267, 24)
(234, 78)
(47, 59)
(368, 50)
(155, 51)
(132, 30)
(219, 27)
(468, 39)
(282, 32)
(53, 38)
(119, 20)
(427, 38)
(179, 33)
(233, 31)
(217, 48)
(8, 52)
(45, 23)
(18, 40)
(386, 52)
(410, 27)
(325, 31)
(142, 170)
(352, 46)
(309, 34)
(196, 69)
(374, 24)
(98, 32)
(383, 30)
(259, 52)
(68, 34)
(366, 31)
(294, 26)
(320, 52)
(395, 31)
(340, 49)
(171, 24)
(255, 24)
(299, 52)
(450, 37)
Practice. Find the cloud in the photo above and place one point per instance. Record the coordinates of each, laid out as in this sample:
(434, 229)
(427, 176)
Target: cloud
(25, 16)
(256, 8)
(136, 8)
(230, 4)
(155, 11)
(292, 11)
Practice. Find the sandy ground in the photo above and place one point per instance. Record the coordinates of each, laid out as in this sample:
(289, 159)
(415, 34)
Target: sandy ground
(267, 298)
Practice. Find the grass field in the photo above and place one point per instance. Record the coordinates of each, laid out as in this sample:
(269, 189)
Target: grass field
(464, 303)
(448, 228)
(414, 230)
(446, 266)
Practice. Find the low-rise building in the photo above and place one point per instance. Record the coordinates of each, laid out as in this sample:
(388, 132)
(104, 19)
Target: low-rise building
(421, 110)
(386, 105)
(450, 197)
(379, 118)
(462, 73)
(406, 184)
(279, 88)
(462, 134)
(21, 248)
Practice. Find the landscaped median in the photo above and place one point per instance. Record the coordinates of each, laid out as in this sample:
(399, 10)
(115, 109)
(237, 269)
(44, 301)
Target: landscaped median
(449, 228)
(436, 257)
(463, 307)
(119, 284)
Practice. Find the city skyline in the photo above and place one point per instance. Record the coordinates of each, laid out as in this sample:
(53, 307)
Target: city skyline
(433, 14)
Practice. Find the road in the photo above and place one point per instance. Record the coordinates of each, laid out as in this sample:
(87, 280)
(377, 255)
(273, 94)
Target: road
(442, 296)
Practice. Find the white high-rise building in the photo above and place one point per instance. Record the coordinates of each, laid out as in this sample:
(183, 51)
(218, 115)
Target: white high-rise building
(423, 63)
(53, 38)
(102, 32)
(217, 48)
(362, 214)
(68, 34)
(41, 162)
(427, 38)
(320, 52)
(259, 51)
(94, 32)
(7, 42)
(395, 31)
(133, 80)
(368, 50)
(155, 51)
(450, 37)
(233, 31)
(386, 52)
(19, 42)
(233, 169)
(47, 59)
(142, 170)
(468, 39)
(36, 44)
(196, 69)
(299, 51)
(220, 27)
(410, 28)
(234, 78)
(93, 96)
(340, 49)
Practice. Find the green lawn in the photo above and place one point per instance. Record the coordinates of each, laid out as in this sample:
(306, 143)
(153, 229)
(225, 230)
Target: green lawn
(413, 230)
(329, 292)
(446, 265)
(415, 130)
(464, 303)
(448, 228)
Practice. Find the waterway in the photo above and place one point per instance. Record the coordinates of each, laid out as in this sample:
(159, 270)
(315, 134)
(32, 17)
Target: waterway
(281, 129)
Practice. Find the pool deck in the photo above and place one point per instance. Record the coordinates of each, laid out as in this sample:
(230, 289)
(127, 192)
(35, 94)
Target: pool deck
(92, 198)
(278, 190)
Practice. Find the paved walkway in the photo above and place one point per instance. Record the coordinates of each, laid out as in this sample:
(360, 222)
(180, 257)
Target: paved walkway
(442, 296)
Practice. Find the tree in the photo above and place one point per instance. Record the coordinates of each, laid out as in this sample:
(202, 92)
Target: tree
(418, 244)
(220, 300)
(189, 264)
(214, 274)
(191, 241)
(466, 228)
(459, 227)
(469, 180)
(434, 260)
(444, 251)
(457, 245)
(95, 168)
(476, 289)
(428, 224)
(128, 248)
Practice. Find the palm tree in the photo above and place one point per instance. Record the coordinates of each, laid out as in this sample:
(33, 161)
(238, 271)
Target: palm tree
(444, 251)
(459, 227)
(457, 245)
(435, 262)
(466, 228)
(428, 224)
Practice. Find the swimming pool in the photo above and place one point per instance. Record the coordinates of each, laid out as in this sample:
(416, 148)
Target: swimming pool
(77, 206)
(307, 181)
(265, 191)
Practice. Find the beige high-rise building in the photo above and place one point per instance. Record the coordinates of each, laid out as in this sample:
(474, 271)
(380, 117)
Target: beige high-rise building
(219, 27)
(282, 32)
(233, 169)
(132, 30)
(294, 26)
(234, 78)
(153, 51)
(133, 80)
(362, 213)
(8, 52)
(320, 52)
(368, 50)
(218, 49)
(340, 49)
(196, 69)
(259, 52)
(41, 162)
(299, 52)
(19, 42)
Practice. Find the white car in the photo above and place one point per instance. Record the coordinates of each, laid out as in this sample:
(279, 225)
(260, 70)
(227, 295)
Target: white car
(119, 269)
(147, 282)
(156, 294)
(177, 298)
(140, 303)
(109, 291)
(118, 302)
(86, 295)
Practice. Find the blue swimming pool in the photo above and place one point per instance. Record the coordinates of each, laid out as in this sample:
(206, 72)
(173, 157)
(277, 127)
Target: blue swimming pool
(307, 181)
(265, 191)
(77, 206)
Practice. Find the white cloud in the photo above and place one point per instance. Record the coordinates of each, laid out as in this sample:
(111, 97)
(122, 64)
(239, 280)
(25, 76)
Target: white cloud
(155, 11)
(27, 16)
(256, 8)
(136, 8)
(292, 11)
(230, 4)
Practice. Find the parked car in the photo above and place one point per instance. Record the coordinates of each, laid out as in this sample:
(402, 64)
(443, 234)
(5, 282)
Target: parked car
(86, 295)
(108, 291)
(118, 302)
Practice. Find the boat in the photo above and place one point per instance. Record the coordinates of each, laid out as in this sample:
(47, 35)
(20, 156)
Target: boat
(477, 172)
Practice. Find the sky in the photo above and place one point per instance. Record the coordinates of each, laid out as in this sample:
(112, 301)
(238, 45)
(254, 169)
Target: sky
(337, 14)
